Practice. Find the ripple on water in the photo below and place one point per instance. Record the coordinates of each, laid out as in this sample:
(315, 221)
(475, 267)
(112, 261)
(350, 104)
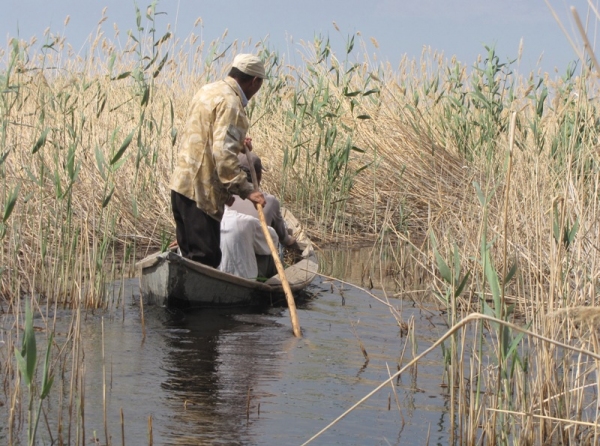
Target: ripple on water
(210, 377)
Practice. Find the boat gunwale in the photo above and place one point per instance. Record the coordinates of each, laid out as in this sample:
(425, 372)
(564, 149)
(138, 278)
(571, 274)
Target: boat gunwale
(299, 274)
(172, 257)
(215, 273)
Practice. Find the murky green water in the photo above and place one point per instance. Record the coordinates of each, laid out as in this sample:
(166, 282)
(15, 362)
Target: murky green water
(214, 378)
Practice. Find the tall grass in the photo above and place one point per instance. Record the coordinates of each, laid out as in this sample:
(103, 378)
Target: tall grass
(414, 156)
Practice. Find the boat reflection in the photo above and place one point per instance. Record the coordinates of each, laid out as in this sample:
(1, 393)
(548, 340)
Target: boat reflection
(213, 360)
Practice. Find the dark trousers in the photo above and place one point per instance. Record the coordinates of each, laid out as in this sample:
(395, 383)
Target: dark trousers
(198, 234)
(266, 266)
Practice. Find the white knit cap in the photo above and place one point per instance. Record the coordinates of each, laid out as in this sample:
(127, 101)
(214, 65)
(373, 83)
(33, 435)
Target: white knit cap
(250, 65)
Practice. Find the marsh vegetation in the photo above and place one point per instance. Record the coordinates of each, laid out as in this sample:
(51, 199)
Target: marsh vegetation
(477, 182)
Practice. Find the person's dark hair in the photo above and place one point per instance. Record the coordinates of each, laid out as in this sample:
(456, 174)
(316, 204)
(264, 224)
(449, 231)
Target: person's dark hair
(239, 75)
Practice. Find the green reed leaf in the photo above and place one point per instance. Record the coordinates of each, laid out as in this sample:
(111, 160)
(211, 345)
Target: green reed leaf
(511, 273)
(72, 167)
(118, 164)
(130, 34)
(573, 232)
(111, 62)
(122, 149)
(146, 96)
(150, 11)
(462, 284)
(108, 197)
(516, 341)
(161, 64)
(4, 156)
(100, 105)
(100, 162)
(10, 203)
(360, 169)
(21, 363)
(350, 45)
(509, 310)
(47, 378)
(443, 267)
(489, 311)
(149, 64)
(41, 141)
(372, 91)
(492, 278)
(134, 207)
(57, 184)
(482, 199)
(163, 39)
(29, 349)
(456, 261)
(138, 18)
(123, 75)
(540, 102)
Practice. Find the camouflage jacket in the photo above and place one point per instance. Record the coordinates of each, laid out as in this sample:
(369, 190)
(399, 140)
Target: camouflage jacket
(208, 170)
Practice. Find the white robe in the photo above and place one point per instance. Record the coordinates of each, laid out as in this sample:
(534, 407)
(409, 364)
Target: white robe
(242, 239)
(272, 212)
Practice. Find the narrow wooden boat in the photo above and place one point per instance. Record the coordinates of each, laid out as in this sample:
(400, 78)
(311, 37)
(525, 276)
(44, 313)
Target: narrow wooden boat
(168, 279)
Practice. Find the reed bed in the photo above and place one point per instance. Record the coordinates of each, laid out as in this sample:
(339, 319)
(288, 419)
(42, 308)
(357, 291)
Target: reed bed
(420, 160)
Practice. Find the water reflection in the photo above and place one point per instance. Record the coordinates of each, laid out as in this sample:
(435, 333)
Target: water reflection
(387, 267)
(213, 361)
(214, 378)
(357, 266)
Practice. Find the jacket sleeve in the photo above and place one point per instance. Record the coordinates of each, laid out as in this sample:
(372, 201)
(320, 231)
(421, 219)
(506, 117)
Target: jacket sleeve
(229, 133)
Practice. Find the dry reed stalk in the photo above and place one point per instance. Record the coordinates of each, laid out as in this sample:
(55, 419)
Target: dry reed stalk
(156, 210)
(142, 315)
(418, 181)
(80, 411)
(104, 403)
(392, 309)
(150, 435)
(360, 344)
(545, 417)
(75, 378)
(588, 314)
(464, 322)
(122, 428)
(248, 398)
(588, 48)
(395, 396)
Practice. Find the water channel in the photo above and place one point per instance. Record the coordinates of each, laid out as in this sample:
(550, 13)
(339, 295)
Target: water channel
(211, 377)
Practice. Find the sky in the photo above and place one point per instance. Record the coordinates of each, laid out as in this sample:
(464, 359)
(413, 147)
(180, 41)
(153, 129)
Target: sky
(458, 28)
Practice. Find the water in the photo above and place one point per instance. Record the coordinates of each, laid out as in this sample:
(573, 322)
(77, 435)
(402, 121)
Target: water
(210, 377)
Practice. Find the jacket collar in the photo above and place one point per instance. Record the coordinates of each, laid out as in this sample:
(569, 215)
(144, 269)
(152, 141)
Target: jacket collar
(238, 90)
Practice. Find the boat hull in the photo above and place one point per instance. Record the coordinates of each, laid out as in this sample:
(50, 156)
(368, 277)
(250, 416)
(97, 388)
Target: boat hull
(172, 280)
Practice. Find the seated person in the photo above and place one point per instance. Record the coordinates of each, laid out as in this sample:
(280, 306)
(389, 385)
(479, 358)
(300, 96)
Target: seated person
(272, 208)
(242, 241)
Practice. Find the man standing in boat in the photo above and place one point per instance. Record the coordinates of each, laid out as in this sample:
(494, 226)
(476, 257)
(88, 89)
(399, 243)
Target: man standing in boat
(208, 171)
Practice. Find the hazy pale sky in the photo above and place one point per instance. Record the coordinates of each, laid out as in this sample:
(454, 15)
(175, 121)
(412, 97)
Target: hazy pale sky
(456, 27)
